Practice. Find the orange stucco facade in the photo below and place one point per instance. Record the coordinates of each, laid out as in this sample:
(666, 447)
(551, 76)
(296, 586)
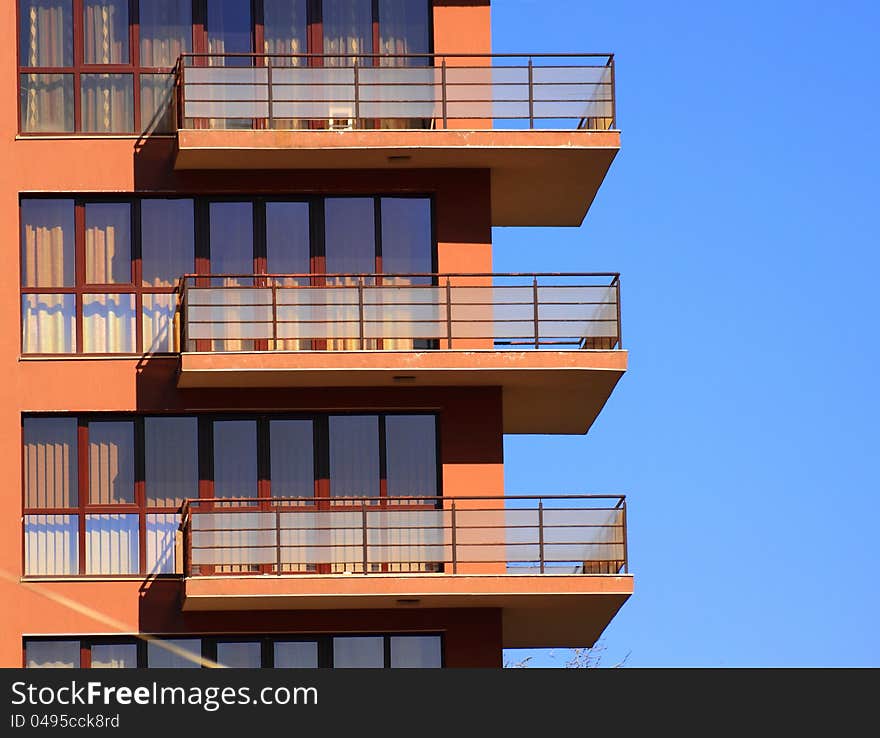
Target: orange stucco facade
(471, 417)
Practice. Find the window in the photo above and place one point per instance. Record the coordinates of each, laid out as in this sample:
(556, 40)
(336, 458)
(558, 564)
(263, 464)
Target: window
(366, 652)
(52, 655)
(416, 652)
(174, 653)
(112, 59)
(411, 455)
(171, 460)
(285, 29)
(229, 31)
(114, 656)
(165, 32)
(295, 654)
(134, 253)
(104, 529)
(118, 91)
(292, 458)
(235, 458)
(272, 651)
(239, 654)
(136, 472)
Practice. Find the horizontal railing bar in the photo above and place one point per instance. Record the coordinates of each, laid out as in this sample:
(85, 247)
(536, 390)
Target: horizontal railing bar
(387, 275)
(459, 55)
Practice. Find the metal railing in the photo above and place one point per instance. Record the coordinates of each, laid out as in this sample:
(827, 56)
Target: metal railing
(314, 91)
(402, 312)
(560, 534)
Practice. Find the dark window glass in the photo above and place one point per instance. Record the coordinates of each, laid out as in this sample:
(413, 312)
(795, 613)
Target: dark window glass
(405, 29)
(52, 654)
(411, 455)
(114, 656)
(232, 238)
(50, 462)
(171, 460)
(111, 462)
(107, 103)
(292, 458)
(46, 103)
(166, 241)
(407, 241)
(416, 652)
(174, 653)
(46, 33)
(108, 243)
(363, 652)
(166, 31)
(105, 31)
(156, 97)
(239, 655)
(285, 29)
(229, 31)
(47, 243)
(287, 238)
(354, 456)
(296, 654)
(348, 29)
(235, 458)
(350, 230)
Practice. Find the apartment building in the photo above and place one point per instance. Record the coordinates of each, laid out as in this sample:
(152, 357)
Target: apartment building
(257, 365)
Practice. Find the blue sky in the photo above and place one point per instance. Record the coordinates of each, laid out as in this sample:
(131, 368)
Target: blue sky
(742, 213)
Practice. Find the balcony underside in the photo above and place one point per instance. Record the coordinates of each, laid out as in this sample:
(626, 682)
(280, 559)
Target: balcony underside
(543, 391)
(538, 611)
(539, 177)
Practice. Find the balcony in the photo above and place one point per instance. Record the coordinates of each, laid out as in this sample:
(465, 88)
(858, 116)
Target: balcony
(550, 341)
(544, 125)
(555, 565)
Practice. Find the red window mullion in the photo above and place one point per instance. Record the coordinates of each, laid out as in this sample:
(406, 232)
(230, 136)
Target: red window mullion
(140, 491)
(79, 255)
(377, 39)
(78, 34)
(82, 458)
(134, 52)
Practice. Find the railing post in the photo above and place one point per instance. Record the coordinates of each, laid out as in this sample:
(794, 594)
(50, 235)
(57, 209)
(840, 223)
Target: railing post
(613, 95)
(361, 311)
(531, 94)
(357, 95)
(269, 90)
(444, 94)
(617, 298)
(541, 533)
(181, 94)
(625, 540)
(454, 542)
(536, 317)
(277, 541)
(448, 314)
(364, 533)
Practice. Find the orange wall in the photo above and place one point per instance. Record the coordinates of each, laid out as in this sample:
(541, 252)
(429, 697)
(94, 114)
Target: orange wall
(470, 418)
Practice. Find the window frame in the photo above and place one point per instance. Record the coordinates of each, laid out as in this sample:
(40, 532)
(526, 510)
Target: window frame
(198, 45)
(210, 641)
(201, 252)
(323, 498)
